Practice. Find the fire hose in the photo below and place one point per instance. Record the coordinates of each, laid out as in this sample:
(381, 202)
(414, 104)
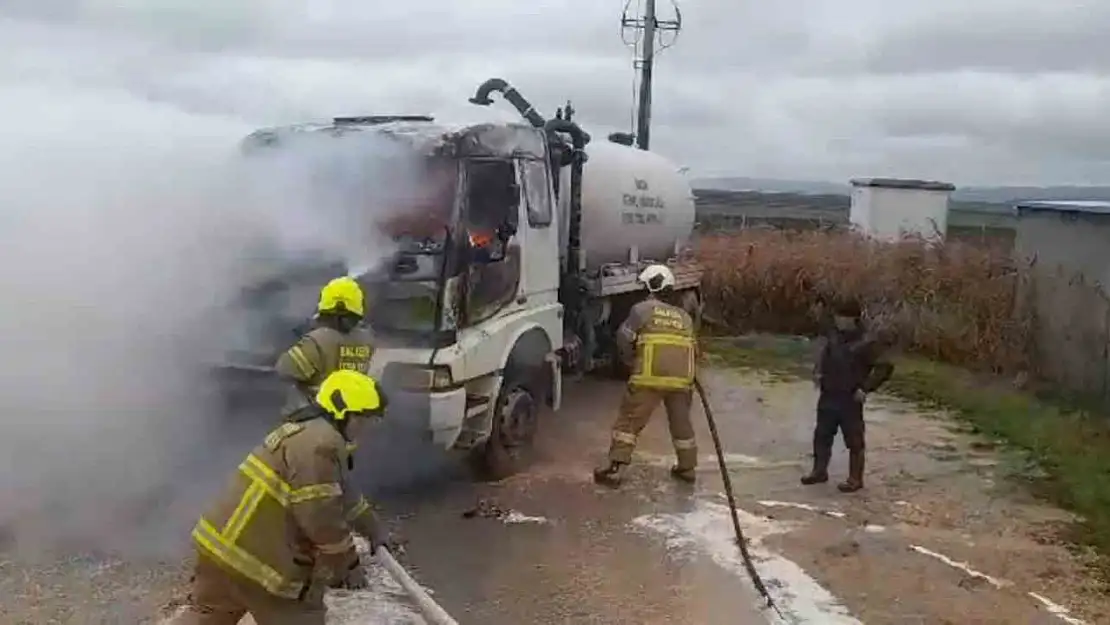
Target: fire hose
(749, 566)
(432, 612)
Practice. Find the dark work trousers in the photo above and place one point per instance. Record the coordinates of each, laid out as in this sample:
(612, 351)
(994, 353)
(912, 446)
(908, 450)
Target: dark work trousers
(835, 413)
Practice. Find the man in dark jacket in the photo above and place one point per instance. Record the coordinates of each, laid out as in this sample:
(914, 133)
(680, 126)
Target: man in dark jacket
(851, 365)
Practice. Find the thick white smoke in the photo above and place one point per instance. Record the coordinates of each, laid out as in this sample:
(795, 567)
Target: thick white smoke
(129, 222)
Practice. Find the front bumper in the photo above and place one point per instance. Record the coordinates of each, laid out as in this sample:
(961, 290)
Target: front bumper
(440, 414)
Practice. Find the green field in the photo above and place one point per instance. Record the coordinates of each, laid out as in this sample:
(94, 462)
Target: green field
(729, 210)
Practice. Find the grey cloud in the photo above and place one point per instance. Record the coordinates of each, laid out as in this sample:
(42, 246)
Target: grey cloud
(811, 88)
(1050, 37)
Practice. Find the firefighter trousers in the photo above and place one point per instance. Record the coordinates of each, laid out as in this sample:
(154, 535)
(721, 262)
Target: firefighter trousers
(636, 409)
(222, 598)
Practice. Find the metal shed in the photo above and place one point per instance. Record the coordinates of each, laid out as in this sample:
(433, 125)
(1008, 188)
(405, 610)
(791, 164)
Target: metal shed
(890, 208)
(1067, 246)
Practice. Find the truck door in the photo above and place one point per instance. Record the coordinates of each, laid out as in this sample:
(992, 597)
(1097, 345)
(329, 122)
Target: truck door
(540, 231)
(492, 238)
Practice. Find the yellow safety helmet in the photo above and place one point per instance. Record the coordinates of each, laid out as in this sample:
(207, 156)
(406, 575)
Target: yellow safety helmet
(341, 295)
(346, 393)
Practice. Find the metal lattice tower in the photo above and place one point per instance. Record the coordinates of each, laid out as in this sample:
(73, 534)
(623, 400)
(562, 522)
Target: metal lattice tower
(641, 34)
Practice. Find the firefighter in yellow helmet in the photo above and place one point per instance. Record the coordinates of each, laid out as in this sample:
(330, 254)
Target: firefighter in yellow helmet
(658, 340)
(281, 533)
(336, 342)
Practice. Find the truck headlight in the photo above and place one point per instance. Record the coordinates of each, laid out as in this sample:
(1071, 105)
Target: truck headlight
(419, 378)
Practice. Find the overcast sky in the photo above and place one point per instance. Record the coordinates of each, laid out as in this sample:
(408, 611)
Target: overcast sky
(983, 91)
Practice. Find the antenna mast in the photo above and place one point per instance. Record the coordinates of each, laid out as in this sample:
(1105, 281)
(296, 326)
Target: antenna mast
(644, 31)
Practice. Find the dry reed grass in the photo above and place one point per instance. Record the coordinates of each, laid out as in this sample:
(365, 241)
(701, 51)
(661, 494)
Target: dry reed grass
(955, 302)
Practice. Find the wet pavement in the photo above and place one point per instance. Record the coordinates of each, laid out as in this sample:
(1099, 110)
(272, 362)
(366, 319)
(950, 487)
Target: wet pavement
(937, 536)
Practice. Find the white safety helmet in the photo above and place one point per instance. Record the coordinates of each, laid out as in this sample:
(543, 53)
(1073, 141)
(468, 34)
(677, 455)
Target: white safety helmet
(656, 278)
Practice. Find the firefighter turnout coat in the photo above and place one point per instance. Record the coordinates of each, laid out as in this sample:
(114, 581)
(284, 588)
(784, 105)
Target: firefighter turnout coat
(659, 339)
(287, 517)
(317, 354)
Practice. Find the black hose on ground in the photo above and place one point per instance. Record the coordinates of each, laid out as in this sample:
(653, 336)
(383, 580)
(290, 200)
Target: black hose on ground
(757, 581)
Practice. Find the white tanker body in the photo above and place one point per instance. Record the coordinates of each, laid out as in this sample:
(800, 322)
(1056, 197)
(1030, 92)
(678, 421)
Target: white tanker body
(636, 209)
(633, 202)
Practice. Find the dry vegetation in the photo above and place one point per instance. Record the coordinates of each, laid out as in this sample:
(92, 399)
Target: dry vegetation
(954, 302)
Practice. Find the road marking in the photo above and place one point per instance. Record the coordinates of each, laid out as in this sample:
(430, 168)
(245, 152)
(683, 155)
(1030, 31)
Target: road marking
(963, 566)
(1055, 609)
(801, 506)
(709, 529)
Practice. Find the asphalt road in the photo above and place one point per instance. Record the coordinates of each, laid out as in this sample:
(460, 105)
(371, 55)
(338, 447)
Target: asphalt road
(932, 539)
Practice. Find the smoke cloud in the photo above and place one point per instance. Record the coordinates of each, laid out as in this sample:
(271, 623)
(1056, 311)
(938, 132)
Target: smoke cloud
(129, 225)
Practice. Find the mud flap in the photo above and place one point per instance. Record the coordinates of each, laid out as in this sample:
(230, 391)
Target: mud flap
(556, 389)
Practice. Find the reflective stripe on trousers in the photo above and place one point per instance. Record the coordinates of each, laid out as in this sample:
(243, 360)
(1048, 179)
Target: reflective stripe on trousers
(624, 438)
(646, 345)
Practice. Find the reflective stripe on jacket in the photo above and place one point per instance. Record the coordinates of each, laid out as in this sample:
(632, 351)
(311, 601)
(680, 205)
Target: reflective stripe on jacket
(288, 512)
(665, 346)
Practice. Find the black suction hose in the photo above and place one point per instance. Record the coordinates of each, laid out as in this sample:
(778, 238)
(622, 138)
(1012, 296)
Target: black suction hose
(757, 581)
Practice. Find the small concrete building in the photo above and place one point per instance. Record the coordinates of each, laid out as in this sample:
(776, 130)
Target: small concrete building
(1067, 246)
(891, 208)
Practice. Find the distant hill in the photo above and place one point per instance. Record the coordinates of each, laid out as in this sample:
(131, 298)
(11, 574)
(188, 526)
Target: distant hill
(990, 195)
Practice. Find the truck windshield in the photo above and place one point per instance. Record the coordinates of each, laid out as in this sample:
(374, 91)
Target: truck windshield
(377, 190)
(403, 293)
(405, 289)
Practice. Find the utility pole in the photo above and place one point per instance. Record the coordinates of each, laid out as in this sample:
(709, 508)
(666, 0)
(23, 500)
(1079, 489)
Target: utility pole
(652, 28)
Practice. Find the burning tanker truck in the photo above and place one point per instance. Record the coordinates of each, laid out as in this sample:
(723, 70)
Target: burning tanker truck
(515, 275)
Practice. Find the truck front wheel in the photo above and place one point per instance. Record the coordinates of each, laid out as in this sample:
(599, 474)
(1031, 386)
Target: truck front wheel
(515, 419)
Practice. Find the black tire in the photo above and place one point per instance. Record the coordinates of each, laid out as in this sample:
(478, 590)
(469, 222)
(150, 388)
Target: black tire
(515, 420)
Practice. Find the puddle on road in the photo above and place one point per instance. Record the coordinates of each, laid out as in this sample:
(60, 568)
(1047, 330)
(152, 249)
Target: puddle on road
(385, 601)
(708, 529)
(708, 463)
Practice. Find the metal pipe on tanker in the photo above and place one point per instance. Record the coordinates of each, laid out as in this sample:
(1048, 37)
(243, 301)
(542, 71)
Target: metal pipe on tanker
(481, 98)
(578, 160)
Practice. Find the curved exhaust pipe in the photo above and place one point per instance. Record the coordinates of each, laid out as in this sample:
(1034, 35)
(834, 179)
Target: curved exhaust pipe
(481, 98)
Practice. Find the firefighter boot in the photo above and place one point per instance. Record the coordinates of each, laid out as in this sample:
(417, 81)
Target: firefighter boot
(610, 475)
(855, 473)
(820, 472)
(688, 476)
